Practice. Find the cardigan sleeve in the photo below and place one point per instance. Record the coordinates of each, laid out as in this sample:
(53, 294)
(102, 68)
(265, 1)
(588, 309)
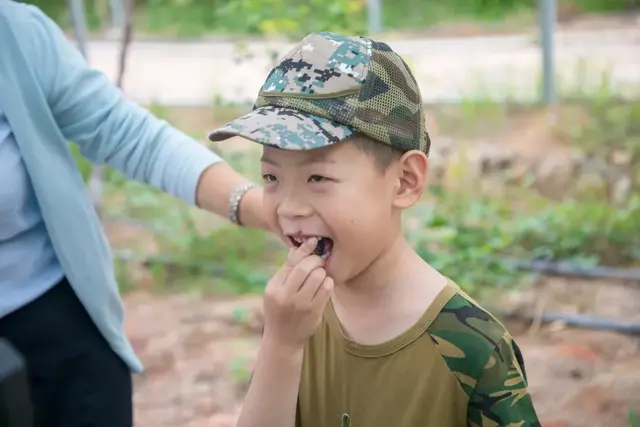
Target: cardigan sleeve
(109, 128)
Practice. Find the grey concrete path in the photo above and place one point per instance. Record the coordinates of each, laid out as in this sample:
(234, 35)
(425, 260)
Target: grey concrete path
(448, 70)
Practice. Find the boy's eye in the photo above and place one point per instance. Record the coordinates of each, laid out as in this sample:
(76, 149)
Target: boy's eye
(316, 178)
(268, 178)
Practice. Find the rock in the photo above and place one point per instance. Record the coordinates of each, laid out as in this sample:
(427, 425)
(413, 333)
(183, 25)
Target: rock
(594, 165)
(621, 157)
(496, 161)
(555, 173)
(554, 176)
(621, 190)
(591, 185)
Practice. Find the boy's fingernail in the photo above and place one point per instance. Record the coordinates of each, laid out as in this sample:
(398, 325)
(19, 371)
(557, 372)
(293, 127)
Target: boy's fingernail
(329, 285)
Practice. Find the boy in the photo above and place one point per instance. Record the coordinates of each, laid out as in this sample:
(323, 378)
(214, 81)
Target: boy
(359, 330)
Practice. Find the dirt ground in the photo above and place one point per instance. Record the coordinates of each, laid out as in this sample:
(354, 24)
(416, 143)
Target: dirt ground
(198, 354)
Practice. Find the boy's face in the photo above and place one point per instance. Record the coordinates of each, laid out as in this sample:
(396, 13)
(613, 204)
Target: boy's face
(337, 193)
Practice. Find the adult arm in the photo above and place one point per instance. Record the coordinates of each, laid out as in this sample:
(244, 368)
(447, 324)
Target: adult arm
(273, 394)
(110, 129)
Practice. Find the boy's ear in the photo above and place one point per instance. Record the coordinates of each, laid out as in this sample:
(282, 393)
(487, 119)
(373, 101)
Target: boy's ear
(412, 170)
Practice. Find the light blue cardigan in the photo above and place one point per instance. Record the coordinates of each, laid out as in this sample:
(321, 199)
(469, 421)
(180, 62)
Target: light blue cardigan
(49, 96)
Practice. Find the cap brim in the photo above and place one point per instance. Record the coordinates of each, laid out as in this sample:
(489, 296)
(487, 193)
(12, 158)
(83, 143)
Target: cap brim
(284, 128)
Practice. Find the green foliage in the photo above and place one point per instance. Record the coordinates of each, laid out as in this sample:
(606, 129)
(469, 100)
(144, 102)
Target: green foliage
(84, 166)
(245, 258)
(274, 17)
(229, 258)
(472, 240)
(463, 241)
(602, 124)
(605, 5)
(240, 371)
(58, 10)
(190, 18)
(607, 132)
(583, 231)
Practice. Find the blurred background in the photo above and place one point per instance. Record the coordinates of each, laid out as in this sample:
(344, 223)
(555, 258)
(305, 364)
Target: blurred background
(533, 204)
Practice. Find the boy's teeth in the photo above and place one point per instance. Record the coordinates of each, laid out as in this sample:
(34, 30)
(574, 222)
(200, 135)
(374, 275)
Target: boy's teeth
(302, 240)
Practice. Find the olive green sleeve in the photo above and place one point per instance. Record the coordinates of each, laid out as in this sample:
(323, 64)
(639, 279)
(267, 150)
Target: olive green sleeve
(501, 397)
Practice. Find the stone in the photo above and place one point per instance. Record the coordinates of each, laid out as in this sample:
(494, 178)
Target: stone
(554, 176)
(620, 190)
(591, 185)
(594, 165)
(621, 157)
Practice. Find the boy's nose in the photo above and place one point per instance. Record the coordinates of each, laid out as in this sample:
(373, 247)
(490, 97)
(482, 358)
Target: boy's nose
(294, 208)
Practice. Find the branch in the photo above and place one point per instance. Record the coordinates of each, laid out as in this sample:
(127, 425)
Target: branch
(126, 40)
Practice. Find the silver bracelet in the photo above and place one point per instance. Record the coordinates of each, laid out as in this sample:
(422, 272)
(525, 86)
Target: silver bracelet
(235, 198)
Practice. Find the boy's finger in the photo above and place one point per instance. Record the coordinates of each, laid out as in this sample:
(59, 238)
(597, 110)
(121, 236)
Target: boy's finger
(321, 298)
(311, 284)
(301, 272)
(295, 256)
(304, 250)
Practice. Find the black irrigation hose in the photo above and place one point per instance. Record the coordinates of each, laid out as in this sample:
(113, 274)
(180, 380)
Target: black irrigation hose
(591, 322)
(215, 268)
(577, 320)
(551, 268)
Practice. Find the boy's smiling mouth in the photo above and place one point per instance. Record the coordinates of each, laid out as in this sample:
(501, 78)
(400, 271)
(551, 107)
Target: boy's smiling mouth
(323, 249)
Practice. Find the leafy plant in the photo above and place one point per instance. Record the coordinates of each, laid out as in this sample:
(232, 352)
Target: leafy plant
(463, 242)
(240, 371)
(578, 231)
(243, 257)
(192, 18)
(473, 240)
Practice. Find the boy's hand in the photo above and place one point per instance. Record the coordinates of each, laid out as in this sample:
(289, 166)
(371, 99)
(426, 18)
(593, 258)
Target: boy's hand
(295, 298)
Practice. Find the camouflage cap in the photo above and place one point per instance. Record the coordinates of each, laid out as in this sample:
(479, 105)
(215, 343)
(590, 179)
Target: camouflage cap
(329, 87)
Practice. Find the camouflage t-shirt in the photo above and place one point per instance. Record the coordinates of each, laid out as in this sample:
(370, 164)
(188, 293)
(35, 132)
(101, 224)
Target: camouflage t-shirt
(457, 366)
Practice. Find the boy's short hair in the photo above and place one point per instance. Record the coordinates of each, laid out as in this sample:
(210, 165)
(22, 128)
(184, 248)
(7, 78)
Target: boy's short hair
(382, 155)
(329, 88)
